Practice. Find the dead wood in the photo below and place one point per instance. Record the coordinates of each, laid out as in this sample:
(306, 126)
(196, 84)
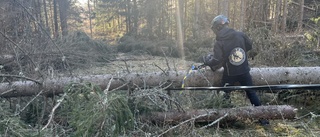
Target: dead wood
(209, 115)
(172, 79)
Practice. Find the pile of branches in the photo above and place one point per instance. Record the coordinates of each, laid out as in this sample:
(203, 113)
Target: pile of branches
(81, 51)
(76, 50)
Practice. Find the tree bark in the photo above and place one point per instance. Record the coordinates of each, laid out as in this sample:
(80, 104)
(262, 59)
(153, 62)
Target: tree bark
(284, 19)
(225, 8)
(45, 13)
(300, 22)
(128, 16)
(196, 19)
(63, 10)
(90, 19)
(260, 76)
(231, 114)
(135, 18)
(277, 13)
(243, 14)
(234, 8)
(55, 18)
(180, 26)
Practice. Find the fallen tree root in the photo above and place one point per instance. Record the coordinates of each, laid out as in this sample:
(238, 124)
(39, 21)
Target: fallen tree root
(209, 115)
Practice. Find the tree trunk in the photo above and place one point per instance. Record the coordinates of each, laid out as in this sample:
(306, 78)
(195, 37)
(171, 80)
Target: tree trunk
(128, 16)
(39, 17)
(196, 19)
(260, 76)
(300, 22)
(284, 19)
(135, 18)
(55, 17)
(63, 10)
(225, 8)
(160, 23)
(45, 13)
(231, 114)
(243, 14)
(180, 29)
(234, 8)
(277, 13)
(90, 19)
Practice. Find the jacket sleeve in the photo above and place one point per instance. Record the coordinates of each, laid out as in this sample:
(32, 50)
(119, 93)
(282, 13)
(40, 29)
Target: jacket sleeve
(247, 42)
(214, 59)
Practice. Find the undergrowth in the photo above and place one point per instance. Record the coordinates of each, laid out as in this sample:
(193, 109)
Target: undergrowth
(89, 111)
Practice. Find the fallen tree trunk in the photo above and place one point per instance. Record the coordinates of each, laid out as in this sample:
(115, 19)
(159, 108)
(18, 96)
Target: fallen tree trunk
(172, 79)
(228, 114)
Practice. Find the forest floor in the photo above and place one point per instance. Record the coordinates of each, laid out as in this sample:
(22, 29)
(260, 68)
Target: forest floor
(306, 124)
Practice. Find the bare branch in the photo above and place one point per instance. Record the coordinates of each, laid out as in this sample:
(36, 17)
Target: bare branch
(29, 103)
(127, 68)
(216, 121)
(167, 62)
(53, 110)
(203, 115)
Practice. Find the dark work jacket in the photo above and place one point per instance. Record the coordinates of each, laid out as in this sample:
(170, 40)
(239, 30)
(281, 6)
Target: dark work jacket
(230, 51)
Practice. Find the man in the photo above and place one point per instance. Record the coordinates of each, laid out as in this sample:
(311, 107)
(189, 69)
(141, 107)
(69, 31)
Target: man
(230, 51)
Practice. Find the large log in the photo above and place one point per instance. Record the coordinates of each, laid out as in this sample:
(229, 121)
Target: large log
(172, 79)
(228, 114)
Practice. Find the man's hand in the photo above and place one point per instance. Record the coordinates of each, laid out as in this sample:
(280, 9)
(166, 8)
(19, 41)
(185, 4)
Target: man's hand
(206, 60)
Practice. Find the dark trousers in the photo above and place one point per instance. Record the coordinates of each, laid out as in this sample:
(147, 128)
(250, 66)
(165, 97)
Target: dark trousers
(244, 80)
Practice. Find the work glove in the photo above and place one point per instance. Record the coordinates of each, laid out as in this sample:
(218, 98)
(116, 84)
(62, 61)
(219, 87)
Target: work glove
(207, 59)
